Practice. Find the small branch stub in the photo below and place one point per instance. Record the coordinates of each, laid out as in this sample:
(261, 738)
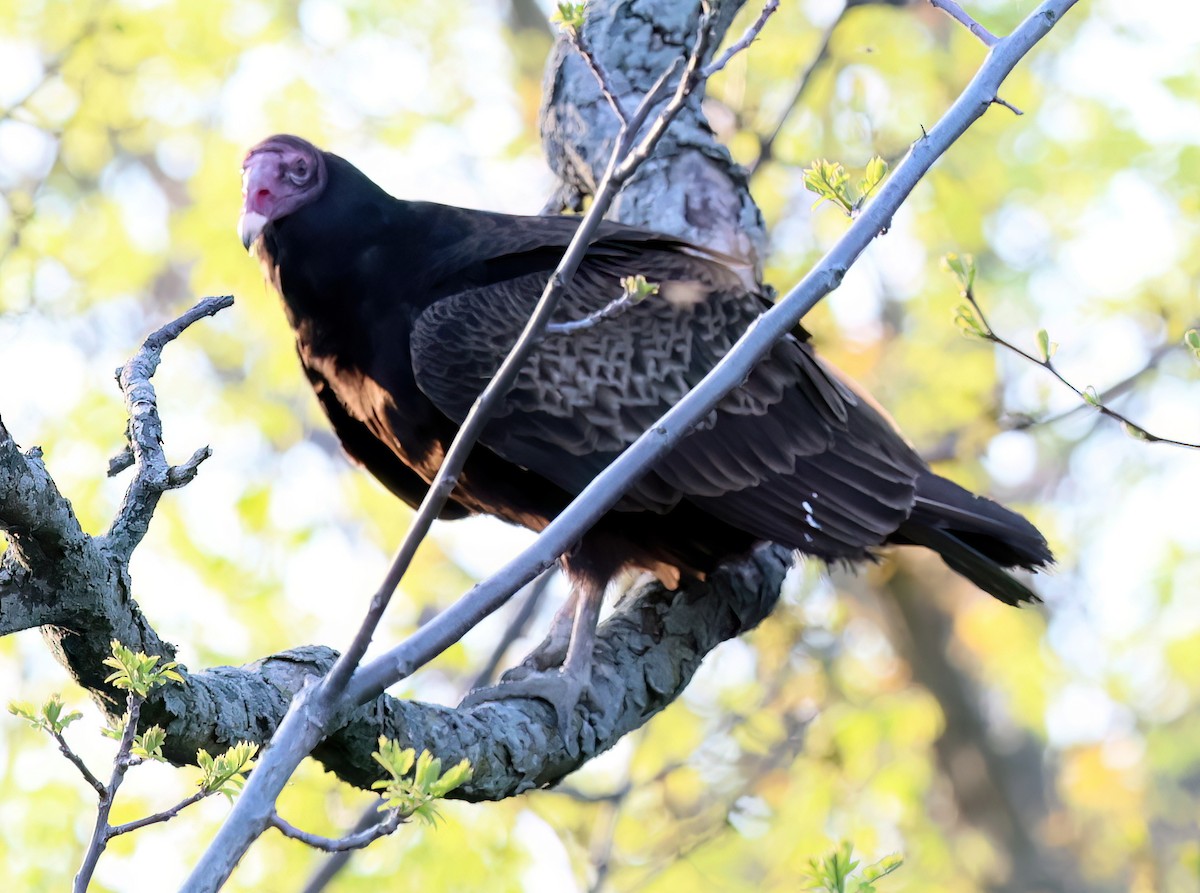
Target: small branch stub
(153, 475)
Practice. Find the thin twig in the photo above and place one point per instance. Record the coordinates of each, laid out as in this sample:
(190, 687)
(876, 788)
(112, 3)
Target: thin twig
(598, 72)
(766, 144)
(1113, 392)
(602, 850)
(1088, 396)
(613, 308)
(339, 844)
(515, 629)
(165, 816)
(77, 761)
(1000, 100)
(101, 830)
(956, 12)
(761, 766)
(748, 37)
(332, 866)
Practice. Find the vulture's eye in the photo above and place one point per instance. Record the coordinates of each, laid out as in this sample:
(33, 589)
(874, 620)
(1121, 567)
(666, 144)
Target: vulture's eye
(299, 173)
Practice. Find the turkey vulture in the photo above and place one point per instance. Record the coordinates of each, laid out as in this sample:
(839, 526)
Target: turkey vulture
(404, 310)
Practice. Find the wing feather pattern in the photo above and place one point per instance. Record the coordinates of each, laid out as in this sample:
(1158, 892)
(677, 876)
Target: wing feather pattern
(791, 430)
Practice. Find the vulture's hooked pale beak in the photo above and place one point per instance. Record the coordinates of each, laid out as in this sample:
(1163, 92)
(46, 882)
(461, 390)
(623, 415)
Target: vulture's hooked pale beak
(250, 227)
(258, 194)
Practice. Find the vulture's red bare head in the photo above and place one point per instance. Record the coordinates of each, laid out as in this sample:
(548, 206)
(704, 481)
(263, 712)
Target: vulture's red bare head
(280, 175)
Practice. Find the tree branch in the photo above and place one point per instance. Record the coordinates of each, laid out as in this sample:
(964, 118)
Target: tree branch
(1088, 395)
(956, 12)
(355, 841)
(77, 761)
(153, 475)
(101, 829)
(691, 188)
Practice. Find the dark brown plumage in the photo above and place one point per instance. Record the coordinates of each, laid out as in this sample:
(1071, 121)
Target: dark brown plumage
(404, 310)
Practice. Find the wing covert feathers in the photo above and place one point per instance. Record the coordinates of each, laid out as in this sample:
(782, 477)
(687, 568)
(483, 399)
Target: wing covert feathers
(404, 311)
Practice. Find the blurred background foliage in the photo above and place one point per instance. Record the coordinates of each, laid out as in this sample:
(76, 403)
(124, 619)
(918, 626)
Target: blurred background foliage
(1055, 748)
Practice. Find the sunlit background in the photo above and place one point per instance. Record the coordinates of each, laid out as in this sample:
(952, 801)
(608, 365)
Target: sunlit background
(897, 708)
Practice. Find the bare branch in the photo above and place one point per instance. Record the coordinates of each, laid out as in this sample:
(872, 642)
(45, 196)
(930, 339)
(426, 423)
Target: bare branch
(748, 37)
(956, 12)
(77, 761)
(153, 476)
(354, 841)
(514, 630)
(159, 817)
(598, 72)
(332, 866)
(1087, 395)
(632, 296)
(1109, 394)
(999, 100)
(101, 831)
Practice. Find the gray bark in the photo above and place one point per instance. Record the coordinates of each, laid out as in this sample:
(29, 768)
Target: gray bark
(690, 187)
(77, 588)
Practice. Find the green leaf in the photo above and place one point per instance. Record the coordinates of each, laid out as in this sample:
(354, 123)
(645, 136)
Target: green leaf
(968, 321)
(26, 712)
(828, 180)
(49, 717)
(963, 268)
(149, 744)
(882, 868)
(637, 288)
(570, 16)
(395, 760)
(872, 176)
(414, 796)
(1090, 397)
(225, 773)
(1046, 347)
(1191, 338)
(138, 672)
(454, 777)
(428, 770)
(834, 873)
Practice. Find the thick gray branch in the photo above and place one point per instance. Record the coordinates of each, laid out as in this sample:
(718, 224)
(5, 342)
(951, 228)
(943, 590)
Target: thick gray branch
(77, 588)
(55, 576)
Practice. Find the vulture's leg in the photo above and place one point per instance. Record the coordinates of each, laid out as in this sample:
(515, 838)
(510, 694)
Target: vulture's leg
(553, 650)
(561, 688)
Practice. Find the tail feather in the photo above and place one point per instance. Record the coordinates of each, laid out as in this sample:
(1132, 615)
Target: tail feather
(976, 537)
